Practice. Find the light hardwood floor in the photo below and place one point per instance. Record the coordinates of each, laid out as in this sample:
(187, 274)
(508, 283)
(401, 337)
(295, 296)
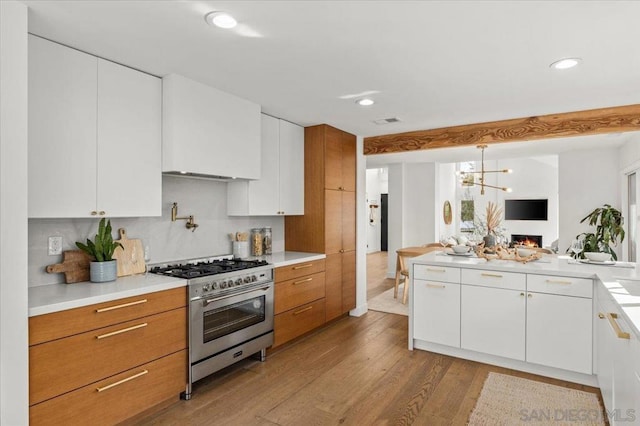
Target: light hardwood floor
(355, 371)
(377, 281)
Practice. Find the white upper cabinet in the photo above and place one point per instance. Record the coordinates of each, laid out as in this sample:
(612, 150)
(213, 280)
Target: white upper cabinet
(207, 132)
(94, 136)
(280, 189)
(129, 141)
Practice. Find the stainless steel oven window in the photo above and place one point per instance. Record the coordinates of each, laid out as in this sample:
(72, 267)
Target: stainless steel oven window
(231, 318)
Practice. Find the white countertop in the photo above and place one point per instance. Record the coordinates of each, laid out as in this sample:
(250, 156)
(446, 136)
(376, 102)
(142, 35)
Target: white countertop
(286, 258)
(59, 297)
(621, 280)
(50, 298)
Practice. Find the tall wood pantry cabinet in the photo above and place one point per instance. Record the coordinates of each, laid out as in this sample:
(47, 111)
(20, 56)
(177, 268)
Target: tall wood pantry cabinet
(329, 222)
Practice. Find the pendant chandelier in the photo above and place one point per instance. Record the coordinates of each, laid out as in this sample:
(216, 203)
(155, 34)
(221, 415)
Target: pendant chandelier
(468, 178)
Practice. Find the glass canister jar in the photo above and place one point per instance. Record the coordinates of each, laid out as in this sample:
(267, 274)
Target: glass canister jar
(266, 240)
(256, 242)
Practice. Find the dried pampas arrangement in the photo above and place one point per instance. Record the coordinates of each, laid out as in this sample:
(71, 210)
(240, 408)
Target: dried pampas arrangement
(494, 217)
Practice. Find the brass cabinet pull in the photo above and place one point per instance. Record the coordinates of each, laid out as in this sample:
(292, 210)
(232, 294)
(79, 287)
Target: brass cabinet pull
(124, 330)
(341, 250)
(124, 305)
(558, 282)
(612, 316)
(309, 265)
(529, 295)
(522, 294)
(435, 270)
(101, 213)
(436, 285)
(601, 315)
(302, 281)
(308, 308)
(484, 274)
(93, 213)
(112, 385)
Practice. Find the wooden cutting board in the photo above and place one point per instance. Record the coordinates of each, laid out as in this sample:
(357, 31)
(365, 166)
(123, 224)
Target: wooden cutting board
(130, 259)
(75, 266)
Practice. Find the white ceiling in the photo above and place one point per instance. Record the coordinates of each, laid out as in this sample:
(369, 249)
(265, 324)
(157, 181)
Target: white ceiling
(430, 63)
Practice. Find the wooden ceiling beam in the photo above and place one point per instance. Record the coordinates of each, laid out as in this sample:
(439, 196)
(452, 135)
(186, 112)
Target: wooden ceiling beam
(578, 123)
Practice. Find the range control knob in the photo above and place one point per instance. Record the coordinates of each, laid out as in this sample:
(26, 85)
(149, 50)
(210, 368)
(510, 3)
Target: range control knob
(247, 280)
(254, 278)
(239, 281)
(215, 286)
(205, 287)
(223, 284)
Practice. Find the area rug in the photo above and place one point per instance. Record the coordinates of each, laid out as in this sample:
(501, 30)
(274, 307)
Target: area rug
(384, 302)
(508, 400)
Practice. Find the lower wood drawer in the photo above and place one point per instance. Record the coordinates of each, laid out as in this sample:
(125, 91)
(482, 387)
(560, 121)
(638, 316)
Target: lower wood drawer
(295, 322)
(43, 328)
(117, 398)
(67, 364)
(297, 270)
(292, 293)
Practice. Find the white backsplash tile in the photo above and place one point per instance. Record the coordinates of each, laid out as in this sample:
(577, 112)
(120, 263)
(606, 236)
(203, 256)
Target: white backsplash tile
(204, 199)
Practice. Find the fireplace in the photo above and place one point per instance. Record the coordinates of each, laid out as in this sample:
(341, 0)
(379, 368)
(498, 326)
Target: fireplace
(526, 240)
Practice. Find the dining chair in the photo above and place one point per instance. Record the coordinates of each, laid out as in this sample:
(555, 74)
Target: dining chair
(402, 272)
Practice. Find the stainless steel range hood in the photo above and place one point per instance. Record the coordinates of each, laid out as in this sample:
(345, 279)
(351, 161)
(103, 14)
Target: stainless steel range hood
(202, 176)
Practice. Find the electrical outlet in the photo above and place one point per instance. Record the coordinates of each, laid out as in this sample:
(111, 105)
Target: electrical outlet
(55, 246)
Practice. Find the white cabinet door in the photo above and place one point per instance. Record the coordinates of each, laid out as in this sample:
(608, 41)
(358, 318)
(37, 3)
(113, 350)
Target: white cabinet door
(208, 132)
(436, 312)
(129, 142)
(62, 130)
(493, 321)
(559, 331)
(624, 379)
(280, 189)
(291, 168)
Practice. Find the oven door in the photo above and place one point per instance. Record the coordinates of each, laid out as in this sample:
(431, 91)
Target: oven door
(219, 323)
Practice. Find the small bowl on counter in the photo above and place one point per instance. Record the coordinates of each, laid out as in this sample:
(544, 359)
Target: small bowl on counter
(525, 252)
(460, 249)
(597, 256)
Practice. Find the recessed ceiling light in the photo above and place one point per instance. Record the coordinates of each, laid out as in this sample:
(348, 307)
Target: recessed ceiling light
(565, 63)
(220, 20)
(365, 102)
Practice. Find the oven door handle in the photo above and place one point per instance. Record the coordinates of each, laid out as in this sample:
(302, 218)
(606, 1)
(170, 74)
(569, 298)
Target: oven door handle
(209, 301)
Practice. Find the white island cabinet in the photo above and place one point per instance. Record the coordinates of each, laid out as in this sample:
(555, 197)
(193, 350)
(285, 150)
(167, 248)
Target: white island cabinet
(535, 317)
(94, 136)
(280, 189)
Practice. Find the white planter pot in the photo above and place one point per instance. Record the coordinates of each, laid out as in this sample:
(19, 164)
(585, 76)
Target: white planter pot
(101, 272)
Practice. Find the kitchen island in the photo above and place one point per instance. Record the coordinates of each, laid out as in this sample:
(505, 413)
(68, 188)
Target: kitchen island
(555, 317)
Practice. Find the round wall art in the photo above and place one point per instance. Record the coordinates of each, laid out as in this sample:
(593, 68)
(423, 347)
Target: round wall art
(446, 212)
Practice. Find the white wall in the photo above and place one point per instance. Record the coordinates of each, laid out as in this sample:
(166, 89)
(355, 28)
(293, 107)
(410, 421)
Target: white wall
(361, 234)
(14, 355)
(420, 183)
(587, 179)
(373, 197)
(395, 232)
(167, 241)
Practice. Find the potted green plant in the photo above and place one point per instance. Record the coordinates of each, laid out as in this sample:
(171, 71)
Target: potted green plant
(609, 231)
(101, 249)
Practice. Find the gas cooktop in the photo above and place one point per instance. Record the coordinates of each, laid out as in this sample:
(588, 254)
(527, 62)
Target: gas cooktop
(203, 268)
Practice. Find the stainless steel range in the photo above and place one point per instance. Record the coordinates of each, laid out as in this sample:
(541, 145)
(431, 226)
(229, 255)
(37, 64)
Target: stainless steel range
(230, 311)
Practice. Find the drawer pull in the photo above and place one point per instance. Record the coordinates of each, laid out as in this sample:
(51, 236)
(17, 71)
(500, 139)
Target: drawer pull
(302, 281)
(558, 282)
(308, 308)
(308, 265)
(601, 315)
(484, 274)
(124, 305)
(435, 270)
(436, 285)
(616, 328)
(119, 382)
(124, 330)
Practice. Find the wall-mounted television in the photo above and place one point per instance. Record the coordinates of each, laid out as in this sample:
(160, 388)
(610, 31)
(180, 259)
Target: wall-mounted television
(525, 209)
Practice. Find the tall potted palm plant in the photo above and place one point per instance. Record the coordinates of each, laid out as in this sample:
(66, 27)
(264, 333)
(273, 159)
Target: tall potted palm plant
(609, 231)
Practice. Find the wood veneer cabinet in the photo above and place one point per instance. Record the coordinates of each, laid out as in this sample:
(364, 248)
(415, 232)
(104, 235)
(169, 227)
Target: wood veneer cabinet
(116, 353)
(299, 300)
(329, 223)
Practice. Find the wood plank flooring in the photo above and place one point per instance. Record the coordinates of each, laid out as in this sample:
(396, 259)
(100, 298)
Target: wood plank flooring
(377, 281)
(355, 371)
